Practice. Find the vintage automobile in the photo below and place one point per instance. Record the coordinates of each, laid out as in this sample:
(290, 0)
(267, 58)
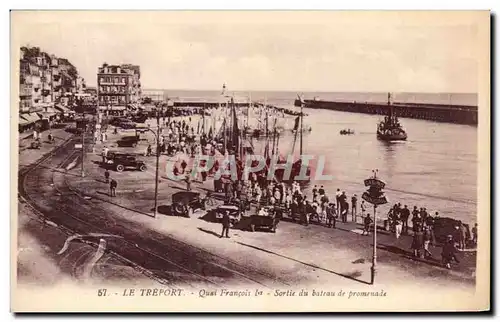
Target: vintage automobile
(265, 217)
(184, 203)
(73, 130)
(127, 125)
(140, 118)
(122, 161)
(117, 120)
(128, 141)
(216, 214)
(444, 226)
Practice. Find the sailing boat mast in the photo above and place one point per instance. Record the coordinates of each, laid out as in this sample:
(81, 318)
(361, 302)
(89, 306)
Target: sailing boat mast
(248, 107)
(203, 116)
(301, 124)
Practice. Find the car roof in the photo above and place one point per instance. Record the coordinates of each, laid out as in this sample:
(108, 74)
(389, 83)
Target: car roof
(228, 207)
(185, 195)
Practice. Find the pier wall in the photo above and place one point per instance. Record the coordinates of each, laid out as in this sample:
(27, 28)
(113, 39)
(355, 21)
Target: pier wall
(459, 114)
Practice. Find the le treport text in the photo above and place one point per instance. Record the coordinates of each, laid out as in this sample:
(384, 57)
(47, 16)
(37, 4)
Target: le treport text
(206, 293)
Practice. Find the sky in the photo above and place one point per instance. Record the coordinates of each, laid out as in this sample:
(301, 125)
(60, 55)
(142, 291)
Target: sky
(266, 51)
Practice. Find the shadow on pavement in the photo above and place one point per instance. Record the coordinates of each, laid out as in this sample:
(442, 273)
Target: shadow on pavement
(352, 276)
(166, 210)
(409, 255)
(103, 193)
(209, 232)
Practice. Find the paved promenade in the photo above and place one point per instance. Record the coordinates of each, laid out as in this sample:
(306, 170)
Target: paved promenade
(42, 259)
(315, 254)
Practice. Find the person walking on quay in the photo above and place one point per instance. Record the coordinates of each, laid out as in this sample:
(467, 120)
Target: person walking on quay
(398, 224)
(462, 233)
(474, 234)
(331, 215)
(417, 242)
(104, 154)
(363, 208)
(188, 181)
(315, 191)
(427, 241)
(112, 188)
(321, 191)
(354, 207)
(148, 150)
(405, 215)
(345, 211)
(367, 223)
(429, 223)
(448, 253)
(337, 198)
(416, 220)
(225, 225)
(106, 175)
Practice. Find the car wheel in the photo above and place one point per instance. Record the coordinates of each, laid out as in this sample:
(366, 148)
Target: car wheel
(120, 168)
(142, 167)
(178, 209)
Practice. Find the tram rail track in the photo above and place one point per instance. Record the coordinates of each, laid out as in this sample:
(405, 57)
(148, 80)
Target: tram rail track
(129, 246)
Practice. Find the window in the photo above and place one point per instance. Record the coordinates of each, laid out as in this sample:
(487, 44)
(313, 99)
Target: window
(117, 80)
(123, 80)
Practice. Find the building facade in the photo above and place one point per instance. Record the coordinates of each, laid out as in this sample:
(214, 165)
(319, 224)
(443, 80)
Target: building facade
(44, 79)
(118, 85)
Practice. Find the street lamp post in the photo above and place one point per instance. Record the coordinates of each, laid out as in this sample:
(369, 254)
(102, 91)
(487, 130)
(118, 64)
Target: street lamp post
(375, 196)
(374, 256)
(157, 158)
(79, 104)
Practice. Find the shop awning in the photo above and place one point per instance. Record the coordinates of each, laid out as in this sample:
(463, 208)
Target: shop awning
(63, 108)
(30, 117)
(23, 121)
(112, 108)
(46, 115)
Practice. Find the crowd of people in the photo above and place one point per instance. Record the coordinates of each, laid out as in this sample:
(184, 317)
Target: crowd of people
(179, 136)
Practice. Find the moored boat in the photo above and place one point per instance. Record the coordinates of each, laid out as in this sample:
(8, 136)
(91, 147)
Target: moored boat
(390, 129)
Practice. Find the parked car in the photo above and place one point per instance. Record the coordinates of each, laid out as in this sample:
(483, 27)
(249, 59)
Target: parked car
(127, 125)
(185, 202)
(128, 141)
(216, 214)
(140, 118)
(117, 120)
(73, 130)
(122, 161)
(265, 217)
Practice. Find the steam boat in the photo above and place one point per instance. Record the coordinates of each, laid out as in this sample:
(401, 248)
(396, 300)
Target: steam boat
(390, 129)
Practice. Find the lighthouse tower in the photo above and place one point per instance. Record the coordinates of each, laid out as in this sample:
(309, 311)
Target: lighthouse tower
(223, 89)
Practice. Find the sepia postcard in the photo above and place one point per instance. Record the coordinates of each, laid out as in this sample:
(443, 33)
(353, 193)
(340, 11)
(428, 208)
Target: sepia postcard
(250, 161)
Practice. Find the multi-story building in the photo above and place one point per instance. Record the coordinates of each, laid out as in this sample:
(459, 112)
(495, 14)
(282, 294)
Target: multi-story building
(118, 85)
(44, 79)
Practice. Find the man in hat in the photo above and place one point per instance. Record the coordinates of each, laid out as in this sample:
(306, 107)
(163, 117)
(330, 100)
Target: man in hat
(448, 252)
(354, 205)
(225, 225)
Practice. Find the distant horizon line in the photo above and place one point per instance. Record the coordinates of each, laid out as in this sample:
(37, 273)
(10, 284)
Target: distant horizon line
(295, 91)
